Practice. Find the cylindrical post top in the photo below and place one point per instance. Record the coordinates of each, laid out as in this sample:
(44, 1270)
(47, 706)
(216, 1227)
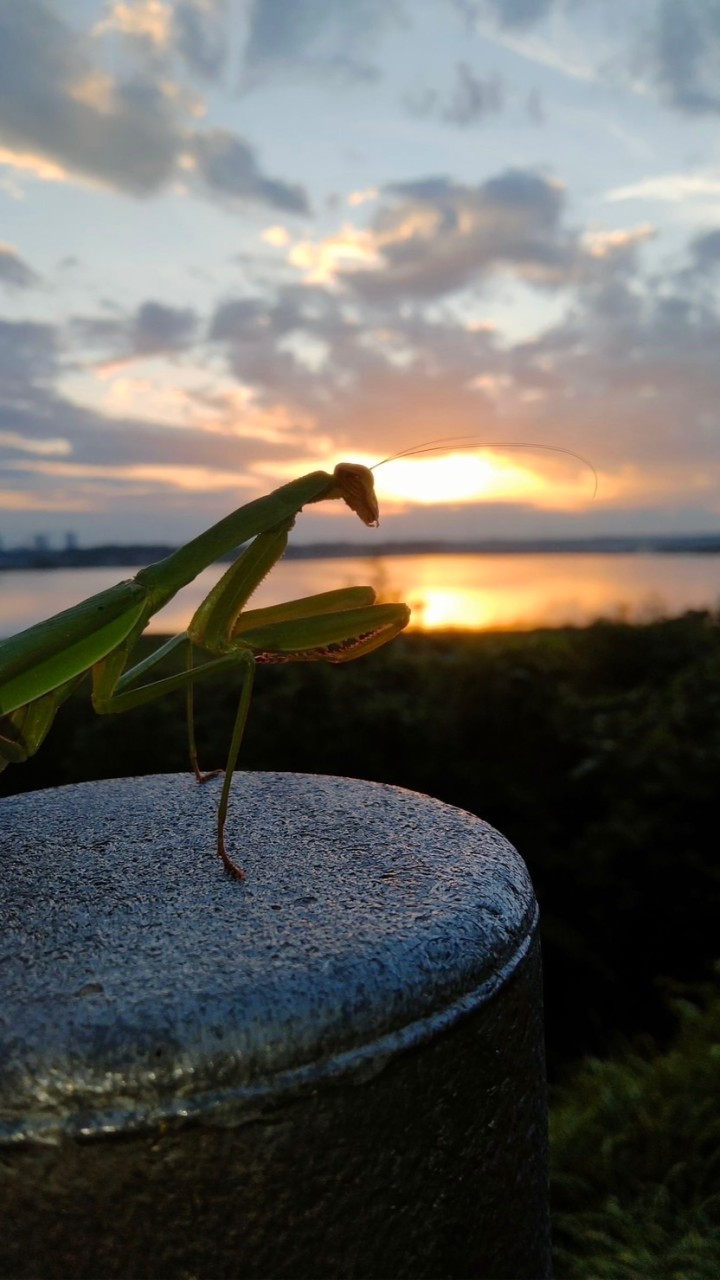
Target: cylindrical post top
(138, 981)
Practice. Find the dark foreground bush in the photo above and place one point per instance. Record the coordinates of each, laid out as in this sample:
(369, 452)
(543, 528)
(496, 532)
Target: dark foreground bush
(636, 1161)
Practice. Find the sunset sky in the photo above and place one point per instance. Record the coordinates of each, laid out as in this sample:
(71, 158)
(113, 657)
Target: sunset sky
(243, 239)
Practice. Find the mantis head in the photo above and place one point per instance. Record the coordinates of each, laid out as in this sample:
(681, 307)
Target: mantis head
(355, 485)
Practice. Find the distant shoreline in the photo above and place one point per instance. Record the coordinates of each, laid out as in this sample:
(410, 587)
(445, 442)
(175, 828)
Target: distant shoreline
(112, 554)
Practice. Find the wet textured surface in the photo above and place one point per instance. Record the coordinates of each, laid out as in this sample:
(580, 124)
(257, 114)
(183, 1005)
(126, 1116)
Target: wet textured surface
(130, 960)
(334, 1067)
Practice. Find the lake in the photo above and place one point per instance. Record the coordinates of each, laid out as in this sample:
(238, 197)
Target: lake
(472, 592)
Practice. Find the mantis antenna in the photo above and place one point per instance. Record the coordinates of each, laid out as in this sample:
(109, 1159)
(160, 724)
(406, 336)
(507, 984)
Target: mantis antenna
(445, 444)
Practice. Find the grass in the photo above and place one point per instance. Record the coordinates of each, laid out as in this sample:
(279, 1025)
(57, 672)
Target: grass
(636, 1160)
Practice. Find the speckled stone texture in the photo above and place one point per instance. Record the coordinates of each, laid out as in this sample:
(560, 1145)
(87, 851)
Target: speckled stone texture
(333, 1069)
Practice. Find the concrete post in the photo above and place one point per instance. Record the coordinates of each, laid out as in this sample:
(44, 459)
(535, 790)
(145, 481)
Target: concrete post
(334, 1069)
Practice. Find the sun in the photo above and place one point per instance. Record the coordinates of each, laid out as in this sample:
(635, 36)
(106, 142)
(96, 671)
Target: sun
(457, 478)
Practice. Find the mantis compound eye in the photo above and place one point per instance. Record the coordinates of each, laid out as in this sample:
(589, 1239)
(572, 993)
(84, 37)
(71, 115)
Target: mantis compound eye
(355, 485)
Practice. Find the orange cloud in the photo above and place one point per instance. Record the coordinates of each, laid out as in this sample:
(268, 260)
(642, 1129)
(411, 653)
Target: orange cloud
(321, 260)
(276, 236)
(12, 440)
(361, 197)
(191, 479)
(11, 500)
(94, 90)
(601, 244)
(36, 166)
(149, 19)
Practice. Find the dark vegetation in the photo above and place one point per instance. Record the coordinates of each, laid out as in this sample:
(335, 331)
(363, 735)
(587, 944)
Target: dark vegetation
(597, 752)
(636, 1156)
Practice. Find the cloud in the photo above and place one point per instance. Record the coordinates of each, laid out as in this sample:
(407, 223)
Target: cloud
(260, 337)
(396, 374)
(669, 187)
(317, 36)
(323, 261)
(129, 140)
(470, 100)
(629, 377)
(228, 166)
(705, 251)
(618, 244)
(200, 36)
(157, 328)
(508, 13)
(433, 236)
(28, 356)
(35, 165)
(153, 329)
(673, 45)
(362, 197)
(684, 53)
(13, 271)
(398, 382)
(277, 236)
(61, 115)
(534, 106)
(56, 455)
(194, 30)
(145, 20)
(632, 373)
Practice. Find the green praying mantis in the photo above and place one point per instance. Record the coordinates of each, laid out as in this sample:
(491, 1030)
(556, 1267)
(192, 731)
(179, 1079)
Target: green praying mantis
(40, 667)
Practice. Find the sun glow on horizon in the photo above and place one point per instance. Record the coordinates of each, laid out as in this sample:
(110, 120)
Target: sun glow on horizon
(457, 477)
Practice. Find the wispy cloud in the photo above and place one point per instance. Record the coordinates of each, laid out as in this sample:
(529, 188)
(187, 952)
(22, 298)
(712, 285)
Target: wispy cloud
(317, 38)
(229, 169)
(471, 99)
(669, 187)
(153, 329)
(193, 30)
(14, 272)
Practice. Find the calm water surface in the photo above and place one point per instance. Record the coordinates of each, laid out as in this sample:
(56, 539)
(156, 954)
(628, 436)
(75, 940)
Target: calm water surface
(474, 592)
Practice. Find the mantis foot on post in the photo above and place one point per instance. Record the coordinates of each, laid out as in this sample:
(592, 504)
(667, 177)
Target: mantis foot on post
(231, 867)
(238, 729)
(200, 774)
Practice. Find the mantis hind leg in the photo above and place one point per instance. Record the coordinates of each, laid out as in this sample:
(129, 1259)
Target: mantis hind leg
(112, 695)
(237, 737)
(235, 743)
(200, 775)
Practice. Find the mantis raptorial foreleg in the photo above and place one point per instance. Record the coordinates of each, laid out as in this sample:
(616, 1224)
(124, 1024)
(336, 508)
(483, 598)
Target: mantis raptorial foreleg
(200, 775)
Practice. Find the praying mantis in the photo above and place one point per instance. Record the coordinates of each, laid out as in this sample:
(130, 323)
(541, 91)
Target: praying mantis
(40, 667)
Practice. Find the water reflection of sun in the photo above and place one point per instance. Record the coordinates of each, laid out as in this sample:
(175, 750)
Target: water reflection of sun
(438, 608)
